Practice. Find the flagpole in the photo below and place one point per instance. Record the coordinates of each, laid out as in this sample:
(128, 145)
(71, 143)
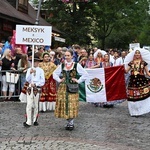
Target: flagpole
(36, 23)
(38, 13)
(32, 65)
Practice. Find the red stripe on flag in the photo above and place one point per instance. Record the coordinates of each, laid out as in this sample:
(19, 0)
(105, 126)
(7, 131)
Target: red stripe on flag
(115, 83)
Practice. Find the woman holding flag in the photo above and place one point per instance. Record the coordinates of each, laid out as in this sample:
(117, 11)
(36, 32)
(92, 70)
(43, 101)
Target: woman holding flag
(104, 64)
(67, 103)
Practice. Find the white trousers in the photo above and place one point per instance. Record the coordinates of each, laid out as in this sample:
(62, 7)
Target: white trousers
(32, 102)
(5, 85)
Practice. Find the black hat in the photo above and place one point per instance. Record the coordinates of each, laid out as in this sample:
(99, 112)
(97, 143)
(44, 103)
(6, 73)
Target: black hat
(36, 58)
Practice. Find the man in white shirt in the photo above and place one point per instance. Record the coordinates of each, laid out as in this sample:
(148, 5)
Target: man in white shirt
(123, 56)
(35, 77)
(116, 59)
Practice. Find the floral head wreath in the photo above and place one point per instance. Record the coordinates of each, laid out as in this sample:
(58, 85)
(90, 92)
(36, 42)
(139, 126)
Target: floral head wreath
(45, 53)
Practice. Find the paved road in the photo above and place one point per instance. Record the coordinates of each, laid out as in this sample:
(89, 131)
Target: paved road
(95, 129)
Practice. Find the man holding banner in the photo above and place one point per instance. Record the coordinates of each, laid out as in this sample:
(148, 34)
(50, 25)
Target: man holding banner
(35, 78)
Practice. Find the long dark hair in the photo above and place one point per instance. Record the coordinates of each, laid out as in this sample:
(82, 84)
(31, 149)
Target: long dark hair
(24, 60)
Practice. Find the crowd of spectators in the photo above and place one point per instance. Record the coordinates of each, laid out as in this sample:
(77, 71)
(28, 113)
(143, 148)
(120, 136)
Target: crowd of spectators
(19, 61)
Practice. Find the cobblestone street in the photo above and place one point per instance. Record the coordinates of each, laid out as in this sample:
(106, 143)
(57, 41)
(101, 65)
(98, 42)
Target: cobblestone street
(95, 129)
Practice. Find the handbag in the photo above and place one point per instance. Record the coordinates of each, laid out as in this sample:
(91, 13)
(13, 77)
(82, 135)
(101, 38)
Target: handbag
(12, 77)
(72, 88)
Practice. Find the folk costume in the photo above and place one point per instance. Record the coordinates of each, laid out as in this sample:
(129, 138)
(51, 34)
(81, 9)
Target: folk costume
(33, 94)
(48, 95)
(67, 104)
(116, 61)
(138, 89)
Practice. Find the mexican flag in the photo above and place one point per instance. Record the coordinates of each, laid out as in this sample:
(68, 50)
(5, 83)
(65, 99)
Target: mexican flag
(103, 85)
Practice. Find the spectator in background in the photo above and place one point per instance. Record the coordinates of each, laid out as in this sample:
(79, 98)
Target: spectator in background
(116, 59)
(7, 45)
(30, 56)
(7, 64)
(83, 58)
(57, 58)
(23, 65)
(111, 53)
(95, 49)
(123, 56)
(1, 47)
(41, 51)
(17, 56)
(98, 57)
(52, 56)
(76, 51)
(90, 62)
(59, 49)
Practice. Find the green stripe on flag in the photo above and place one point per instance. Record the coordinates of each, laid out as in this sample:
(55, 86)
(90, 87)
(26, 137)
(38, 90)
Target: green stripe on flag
(82, 95)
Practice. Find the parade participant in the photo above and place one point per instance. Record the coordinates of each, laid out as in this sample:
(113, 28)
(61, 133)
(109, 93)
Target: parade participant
(67, 104)
(35, 79)
(48, 95)
(138, 90)
(104, 64)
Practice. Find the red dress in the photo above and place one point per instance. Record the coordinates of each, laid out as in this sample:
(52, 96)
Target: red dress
(49, 89)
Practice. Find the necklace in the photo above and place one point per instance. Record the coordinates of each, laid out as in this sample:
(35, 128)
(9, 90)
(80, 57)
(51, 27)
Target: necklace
(46, 66)
(68, 67)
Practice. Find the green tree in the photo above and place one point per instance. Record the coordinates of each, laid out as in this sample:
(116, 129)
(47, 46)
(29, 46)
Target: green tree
(131, 26)
(106, 23)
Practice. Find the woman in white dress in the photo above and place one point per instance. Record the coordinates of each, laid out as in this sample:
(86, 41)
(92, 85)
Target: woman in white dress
(138, 89)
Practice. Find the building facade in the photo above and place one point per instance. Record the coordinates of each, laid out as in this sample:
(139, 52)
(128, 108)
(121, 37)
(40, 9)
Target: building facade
(13, 12)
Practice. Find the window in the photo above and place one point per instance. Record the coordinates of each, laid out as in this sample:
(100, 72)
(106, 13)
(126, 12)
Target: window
(23, 6)
(23, 2)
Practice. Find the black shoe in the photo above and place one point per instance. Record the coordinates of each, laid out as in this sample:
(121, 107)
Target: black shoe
(26, 125)
(71, 127)
(67, 127)
(96, 104)
(42, 111)
(16, 100)
(35, 123)
(2, 100)
(108, 106)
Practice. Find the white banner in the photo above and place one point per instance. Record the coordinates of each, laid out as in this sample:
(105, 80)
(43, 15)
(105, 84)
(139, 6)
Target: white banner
(59, 39)
(33, 35)
(133, 45)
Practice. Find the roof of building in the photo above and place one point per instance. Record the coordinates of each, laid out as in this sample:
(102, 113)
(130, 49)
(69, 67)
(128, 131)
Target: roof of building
(9, 12)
